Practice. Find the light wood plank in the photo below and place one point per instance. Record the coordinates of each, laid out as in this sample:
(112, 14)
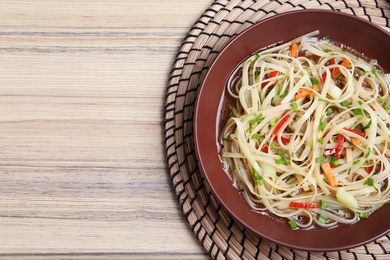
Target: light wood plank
(82, 164)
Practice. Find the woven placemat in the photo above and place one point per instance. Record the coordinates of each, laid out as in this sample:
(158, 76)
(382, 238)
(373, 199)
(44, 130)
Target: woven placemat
(217, 232)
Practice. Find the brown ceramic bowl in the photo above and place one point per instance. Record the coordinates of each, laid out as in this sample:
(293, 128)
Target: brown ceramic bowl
(366, 38)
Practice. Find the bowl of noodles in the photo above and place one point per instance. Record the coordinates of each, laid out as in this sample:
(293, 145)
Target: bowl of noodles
(292, 130)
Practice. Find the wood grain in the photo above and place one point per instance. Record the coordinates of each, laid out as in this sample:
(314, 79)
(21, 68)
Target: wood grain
(82, 165)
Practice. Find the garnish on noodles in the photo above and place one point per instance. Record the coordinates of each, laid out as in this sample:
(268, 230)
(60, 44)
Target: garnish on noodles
(308, 138)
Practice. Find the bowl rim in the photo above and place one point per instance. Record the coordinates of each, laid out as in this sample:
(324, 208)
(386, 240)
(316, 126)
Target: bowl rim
(213, 132)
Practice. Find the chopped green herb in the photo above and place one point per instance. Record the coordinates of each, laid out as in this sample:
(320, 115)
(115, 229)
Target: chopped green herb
(325, 37)
(329, 111)
(379, 100)
(257, 119)
(360, 102)
(328, 50)
(344, 103)
(314, 81)
(293, 224)
(253, 170)
(278, 89)
(368, 125)
(356, 162)
(363, 215)
(374, 70)
(258, 179)
(323, 100)
(334, 161)
(257, 73)
(281, 160)
(387, 106)
(257, 55)
(294, 105)
(369, 182)
(322, 126)
(272, 145)
(357, 112)
(344, 50)
(281, 152)
(320, 159)
(323, 204)
(368, 152)
(320, 140)
(322, 219)
(283, 95)
(226, 139)
(256, 136)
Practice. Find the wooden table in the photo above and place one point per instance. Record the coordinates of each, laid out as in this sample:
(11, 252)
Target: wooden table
(82, 157)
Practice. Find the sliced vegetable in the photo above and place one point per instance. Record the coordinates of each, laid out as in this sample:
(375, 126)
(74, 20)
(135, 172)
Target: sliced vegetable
(334, 91)
(363, 215)
(323, 77)
(327, 169)
(294, 105)
(264, 149)
(329, 111)
(340, 146)
(323, 125)
(293, 224)
(360, 133)
(322, 219)
(332, 61)
(334, 161)
(368, 125)
(323, 204)
(285, 139)
(256, 136)
(271, 75)
(303, 92)
(280, 124)
(300, 205)
(257, 178)
(346, 198)
(268, 170)
(355, 141)
(320, 159)
(293, 50)
(369, 182)
(337, 72)
(368, 152)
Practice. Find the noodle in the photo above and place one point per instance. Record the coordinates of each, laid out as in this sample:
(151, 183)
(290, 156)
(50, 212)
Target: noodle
(308, 135)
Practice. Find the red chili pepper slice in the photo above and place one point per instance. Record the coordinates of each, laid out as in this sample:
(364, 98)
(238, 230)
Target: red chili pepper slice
(294, 204)
(271, 75)
(283, 139)
(362, 134)
(369, 168)
(280, 123)
(332, 61)
(264, 149)
(323, 77)
(340, 146)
